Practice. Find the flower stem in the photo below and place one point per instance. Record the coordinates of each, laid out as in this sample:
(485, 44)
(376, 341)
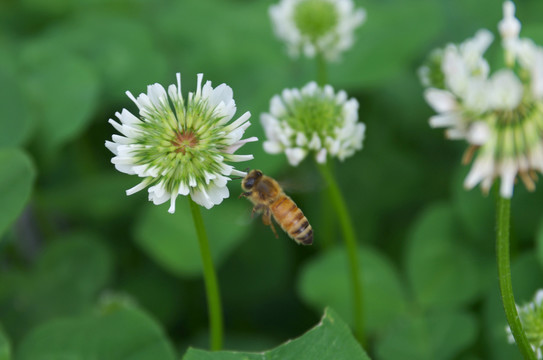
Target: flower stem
(322, 75)
(503, 210)
(351, 246)
(327, 223)
(210, 278)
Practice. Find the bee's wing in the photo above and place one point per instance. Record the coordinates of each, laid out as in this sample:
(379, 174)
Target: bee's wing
(302, 183)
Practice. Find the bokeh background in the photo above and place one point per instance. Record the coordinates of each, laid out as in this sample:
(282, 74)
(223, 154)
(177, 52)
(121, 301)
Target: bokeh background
(72, 240)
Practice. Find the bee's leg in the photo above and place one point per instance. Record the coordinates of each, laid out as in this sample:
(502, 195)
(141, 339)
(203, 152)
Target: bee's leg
(266, 219)
(257, 209)
(244, 194)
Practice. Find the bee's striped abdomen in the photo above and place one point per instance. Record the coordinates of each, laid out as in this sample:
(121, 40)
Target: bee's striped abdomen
(292, 220)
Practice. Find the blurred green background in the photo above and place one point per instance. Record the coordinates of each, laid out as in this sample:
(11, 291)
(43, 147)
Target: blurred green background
(72, 241)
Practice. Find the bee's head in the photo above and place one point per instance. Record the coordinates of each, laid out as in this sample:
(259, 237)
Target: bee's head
(251, 179)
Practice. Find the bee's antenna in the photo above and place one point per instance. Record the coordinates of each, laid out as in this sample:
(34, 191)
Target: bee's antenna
(240, 177)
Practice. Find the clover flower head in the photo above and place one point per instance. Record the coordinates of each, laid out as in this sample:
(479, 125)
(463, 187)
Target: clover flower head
(312, 120)
(181, 147)
(316, 26)
(531, 318)
(500, 113)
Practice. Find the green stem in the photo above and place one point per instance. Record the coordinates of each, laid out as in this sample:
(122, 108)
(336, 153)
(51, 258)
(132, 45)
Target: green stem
(351, 246)
(210, 278)
(322, 75)
(327, 222)
(504, 275)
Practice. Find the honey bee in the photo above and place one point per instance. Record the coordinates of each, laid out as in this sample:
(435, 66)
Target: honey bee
(269, 199)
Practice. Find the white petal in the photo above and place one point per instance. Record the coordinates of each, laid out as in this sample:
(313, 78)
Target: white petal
(478, 133)
(217, 194)
(538, 298)
(127, 117)
(301, 139)
(112, 146)
(137, 188)
(200, 197)
(506, 90)
(295, 155)
(235, 146)
(440, 100)
(199, 78)
(183, 189)
(482, 168)
(158, 195)
(508, 174)
(157, 95)
(173, 197)
(509, 26)
(239, 122)
(239, 158)
(454, 134)
(321, 156)
(450, 119)
(272, 147)
(315, 142)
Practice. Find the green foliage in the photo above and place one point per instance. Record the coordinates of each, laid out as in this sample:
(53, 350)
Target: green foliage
(16, 180)
(65, 107)
(69, 234)
(441, 271)
(433, 336)
(65, 281)
(330, 339)
(180, 254)
(114, 332)
(325, 281)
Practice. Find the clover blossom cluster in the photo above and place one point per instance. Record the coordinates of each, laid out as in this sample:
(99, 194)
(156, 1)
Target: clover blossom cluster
(500, 113)
(313, 120)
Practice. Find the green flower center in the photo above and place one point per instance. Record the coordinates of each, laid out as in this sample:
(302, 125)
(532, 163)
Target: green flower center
(314, 18)
(183, 145)
(314, 114)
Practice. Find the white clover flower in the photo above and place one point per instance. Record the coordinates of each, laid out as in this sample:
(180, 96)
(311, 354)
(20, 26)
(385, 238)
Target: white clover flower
(178, 147)
(312, 120)
(316, 26)
(531, 318)
(499, 114)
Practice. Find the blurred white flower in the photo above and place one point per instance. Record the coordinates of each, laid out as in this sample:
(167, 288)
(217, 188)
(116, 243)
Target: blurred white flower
(531, 318)
(500, 114)
(312, 120)
(178, 147)
(316, 26)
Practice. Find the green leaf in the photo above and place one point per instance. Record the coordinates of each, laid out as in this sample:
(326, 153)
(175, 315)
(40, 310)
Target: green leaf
(330, 339)
(119, 333)
(100, 195)
(325, 280)
(442, 272)
(170, 239)
(373, 58)
(17, 175)
(121, 49)
(526, 274)
(475, 211)
(436, 336)
(16, 123)
(65, 281)
(65, 90)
